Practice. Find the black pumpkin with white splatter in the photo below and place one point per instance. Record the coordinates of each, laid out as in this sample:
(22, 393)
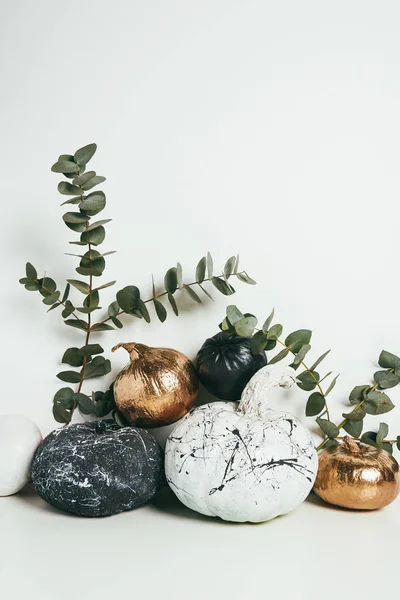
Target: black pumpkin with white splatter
(242, 461)
(96, 469)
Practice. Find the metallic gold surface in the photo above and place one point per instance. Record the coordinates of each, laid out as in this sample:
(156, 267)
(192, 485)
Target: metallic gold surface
(355, 475)
(157, 387)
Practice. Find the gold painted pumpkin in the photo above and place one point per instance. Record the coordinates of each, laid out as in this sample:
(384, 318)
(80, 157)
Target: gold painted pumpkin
(356, 475)
(157, 387)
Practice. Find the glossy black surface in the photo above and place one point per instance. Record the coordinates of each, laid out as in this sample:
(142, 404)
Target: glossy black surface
(225, 364)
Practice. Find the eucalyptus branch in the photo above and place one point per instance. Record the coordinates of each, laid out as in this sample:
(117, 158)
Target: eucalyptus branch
(365, 399)
(128, 300)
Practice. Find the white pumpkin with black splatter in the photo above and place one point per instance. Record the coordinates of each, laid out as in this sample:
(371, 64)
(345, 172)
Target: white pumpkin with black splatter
(242, 461)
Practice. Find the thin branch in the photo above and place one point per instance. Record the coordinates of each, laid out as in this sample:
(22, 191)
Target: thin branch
(157, 297)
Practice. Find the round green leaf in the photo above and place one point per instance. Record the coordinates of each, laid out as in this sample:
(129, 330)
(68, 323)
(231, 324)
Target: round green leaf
(65, 166)
(171, 280)
(67, 189)
(315, 404)
(83, 155)
(128, 298)
(93, 203)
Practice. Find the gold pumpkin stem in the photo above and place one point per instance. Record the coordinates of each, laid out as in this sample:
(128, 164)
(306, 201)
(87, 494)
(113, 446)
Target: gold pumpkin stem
(129, 347)
(351, 445)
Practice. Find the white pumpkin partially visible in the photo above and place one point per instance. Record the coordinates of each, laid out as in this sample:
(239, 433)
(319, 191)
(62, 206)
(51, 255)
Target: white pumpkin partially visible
(19, 439)
(242, 461)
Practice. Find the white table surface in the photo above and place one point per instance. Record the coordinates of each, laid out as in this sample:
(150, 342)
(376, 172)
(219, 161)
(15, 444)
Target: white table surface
(164, 550)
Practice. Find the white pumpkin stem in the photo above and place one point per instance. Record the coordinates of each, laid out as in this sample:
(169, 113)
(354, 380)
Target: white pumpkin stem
(255, 394)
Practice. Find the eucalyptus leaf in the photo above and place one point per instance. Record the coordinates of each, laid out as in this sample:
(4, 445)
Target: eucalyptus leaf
(382, 432)
(77, 324)
(87, 271)
(274, 332)
(74, 200)
(74, 218)
(179, 274)
(95, 236)
(258, 342)
(353, 428)
(68, 310)
(82, 286)
(128, 298)
(91, 349)
(387, 360)
(102, 327)
(64, 395)
(357, 414)
(201, 270)
(234, 314)
(66, 293)
(73, 357)
(377, 403)
(160, 310)
(315, 404)
(171, 280)
(56, 305)
(92, 300)
(48, 286)
(331, 385)
(297, 339)
(78, 227)
(386, 379)
(85, 404)
(81, 179)
(65, 166)
(369, 437)
(84, 154)
(173, 303)
(222, 286)
(105, 285)
(61, 414)
(245, 327)
(31, 272)
(117, 322)
(69, 376)
(114, 309)
(206, 293)
(358, 394)
(319, 360)
(245, 278)
(307, 380)
(93, 203)
(51, 298)
(68, 189)
(278, 357)
(387, 446)
(189, 291)
(210, 265)
(97, 224)
(268, 322)
(329, 428)
(300, 356)
(91, 183)
(229, 268)
(143, 310)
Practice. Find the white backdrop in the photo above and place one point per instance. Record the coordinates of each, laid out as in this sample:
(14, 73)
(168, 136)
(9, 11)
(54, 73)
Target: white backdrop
(265, 128)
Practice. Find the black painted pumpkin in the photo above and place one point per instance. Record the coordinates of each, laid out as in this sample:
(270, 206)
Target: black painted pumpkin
(225, 364)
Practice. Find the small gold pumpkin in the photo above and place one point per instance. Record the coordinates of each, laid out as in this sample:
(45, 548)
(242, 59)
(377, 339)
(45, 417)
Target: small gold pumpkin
(356, 475)
(157, 387)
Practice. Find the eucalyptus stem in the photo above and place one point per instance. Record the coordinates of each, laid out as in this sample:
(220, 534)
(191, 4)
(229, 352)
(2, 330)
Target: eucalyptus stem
(313, 377)
(156, 297)
(83, 204)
